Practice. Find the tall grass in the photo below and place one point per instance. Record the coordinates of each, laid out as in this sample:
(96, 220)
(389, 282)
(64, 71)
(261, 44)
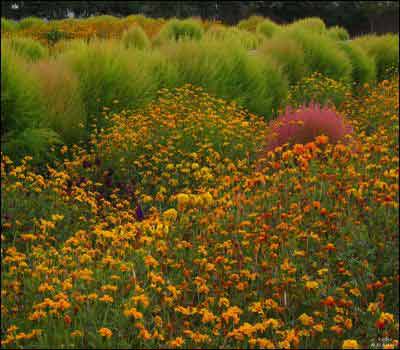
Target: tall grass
(313, 24)
(23, 131)
(338, 33)
(8, 25)
(135, 37)
(267, 28)
(107, 73)
(321, 53)
(28, 48)
(226, 70)
(384, 50)
(289, 55)
(364, 69)
(64, 108)
(20, 100)
(246, 39)
(250, 24)
(29, 22)
(176, 29)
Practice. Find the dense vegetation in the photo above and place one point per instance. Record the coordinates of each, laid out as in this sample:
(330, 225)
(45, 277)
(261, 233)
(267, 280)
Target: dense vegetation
(186, 184)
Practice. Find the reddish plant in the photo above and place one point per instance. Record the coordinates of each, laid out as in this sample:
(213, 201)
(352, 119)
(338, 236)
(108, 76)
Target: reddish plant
(305, 124)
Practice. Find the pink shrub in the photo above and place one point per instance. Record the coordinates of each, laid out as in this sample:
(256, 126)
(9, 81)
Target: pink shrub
(305, 124)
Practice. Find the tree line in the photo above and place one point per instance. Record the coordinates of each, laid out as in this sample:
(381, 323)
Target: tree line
(356, 16)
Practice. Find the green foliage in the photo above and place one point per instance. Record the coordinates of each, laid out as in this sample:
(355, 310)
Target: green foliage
(54, 36)
(313, 24)
(34, 142)
(364, 70)
(318, 89)
(181, 29)
(289, 55)
(385, 52)
(108, 72)
(29, 22)
(251, 23)
(64, 108)
(8, 25)
(338, 33)
(246, 39)
(135, 37)
(228, 71)
(322, 54)
(267, 28)
(20, 100)
(28, 48)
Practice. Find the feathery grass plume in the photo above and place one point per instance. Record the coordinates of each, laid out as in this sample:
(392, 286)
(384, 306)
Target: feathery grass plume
(384, 50)
(321, 53)
(29, 22)
(313, 24)
(28, 48)
(21, 105)
(8, 25)
(305, 124)
(64, 109)
(108, 72)
(338, 33)
(267, 28)
(228, 71)
(289, 55)
(135, 37)
(250, 24)
(246, 39)
(364, 69)
(176, 29)
(163, 72)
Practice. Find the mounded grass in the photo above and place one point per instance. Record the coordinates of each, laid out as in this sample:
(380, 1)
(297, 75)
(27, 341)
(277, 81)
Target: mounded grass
(384, 50)
(22, 113)
(313, 24)
(29, 22)
(28, 48)
(246, 39)
(228, 71)
(338, 33)
(20, 100)
(321, 53)
(64, 108)
(135, 37)
(250, 24)
(267, 28)
(289, 55)
(176, 30)
(8, 25)
(109, 75)
(364, 69)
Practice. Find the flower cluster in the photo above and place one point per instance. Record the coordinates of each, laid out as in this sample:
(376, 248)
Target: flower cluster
(233, 248)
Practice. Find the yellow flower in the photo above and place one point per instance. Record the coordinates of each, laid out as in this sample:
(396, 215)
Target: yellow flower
(77, 333)
(355, 291)
(177, 343)
(312, 285)
(306, 320)
(182, 199)
(170, 214)
(133, 313)
(107, 298)
(350, 344)
(105, 332)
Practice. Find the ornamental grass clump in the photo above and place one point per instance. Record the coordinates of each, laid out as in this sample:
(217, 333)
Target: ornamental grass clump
(306, 124)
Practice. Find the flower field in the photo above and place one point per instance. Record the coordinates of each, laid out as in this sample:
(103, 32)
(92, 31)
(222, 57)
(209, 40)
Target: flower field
(175, 224)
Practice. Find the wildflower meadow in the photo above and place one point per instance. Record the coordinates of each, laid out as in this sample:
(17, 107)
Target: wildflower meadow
(188, 184)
